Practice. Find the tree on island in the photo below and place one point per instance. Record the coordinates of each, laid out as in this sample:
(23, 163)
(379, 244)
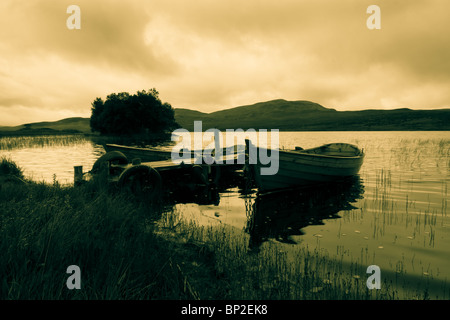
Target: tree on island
(122, 113)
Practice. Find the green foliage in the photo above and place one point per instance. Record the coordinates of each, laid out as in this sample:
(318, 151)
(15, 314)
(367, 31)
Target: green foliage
(129, 249)
(122, 113)
(45, 228)
(10, 168)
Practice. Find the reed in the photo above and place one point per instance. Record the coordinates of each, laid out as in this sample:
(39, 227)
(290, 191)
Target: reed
(110, 236)
(18, 142)
(10, 168)
(130, 249)
(290, 272)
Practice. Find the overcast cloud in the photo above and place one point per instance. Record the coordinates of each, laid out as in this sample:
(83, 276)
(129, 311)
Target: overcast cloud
(209, 55)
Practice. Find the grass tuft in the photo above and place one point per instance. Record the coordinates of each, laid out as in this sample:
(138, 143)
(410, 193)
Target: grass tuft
(10, 168)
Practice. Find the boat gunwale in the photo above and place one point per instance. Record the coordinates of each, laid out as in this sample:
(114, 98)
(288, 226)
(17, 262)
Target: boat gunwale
(359, 154)
(139, 149)
(322, 155)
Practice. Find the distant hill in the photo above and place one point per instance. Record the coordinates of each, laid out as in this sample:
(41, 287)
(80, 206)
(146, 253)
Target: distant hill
(68, 125)
(309, 116)
(276, 114)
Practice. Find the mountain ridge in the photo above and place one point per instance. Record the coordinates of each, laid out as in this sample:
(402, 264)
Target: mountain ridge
(303, 115)
(299, 115)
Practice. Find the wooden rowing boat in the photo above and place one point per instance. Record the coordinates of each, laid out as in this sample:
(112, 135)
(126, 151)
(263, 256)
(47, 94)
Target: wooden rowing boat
(298, 167)
(145, 154)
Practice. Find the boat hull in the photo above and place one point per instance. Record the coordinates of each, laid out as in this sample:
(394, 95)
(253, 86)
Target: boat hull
(297, 168)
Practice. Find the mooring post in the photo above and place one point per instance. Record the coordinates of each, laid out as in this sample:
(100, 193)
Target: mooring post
(247, 150)
(250, 167)
(77, 175)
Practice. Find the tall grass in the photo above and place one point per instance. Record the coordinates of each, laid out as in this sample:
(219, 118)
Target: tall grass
(10, 168)
(18, 142)
(45, 228)
(289, 272)
(131, 249)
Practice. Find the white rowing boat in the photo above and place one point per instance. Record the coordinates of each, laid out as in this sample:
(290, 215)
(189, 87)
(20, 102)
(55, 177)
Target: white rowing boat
(298, 167)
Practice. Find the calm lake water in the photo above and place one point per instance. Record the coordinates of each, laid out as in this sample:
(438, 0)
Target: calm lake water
(394, 215)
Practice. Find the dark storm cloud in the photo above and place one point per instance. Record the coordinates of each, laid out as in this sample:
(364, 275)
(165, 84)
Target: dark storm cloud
(209, 55)
(111, 33)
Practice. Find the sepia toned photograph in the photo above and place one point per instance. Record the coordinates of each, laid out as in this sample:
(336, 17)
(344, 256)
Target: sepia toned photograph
(220, 152)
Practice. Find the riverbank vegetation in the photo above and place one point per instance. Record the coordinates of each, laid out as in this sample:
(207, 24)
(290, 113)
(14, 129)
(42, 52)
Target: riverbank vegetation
(40, 141)
(128, 248)
(110, 236)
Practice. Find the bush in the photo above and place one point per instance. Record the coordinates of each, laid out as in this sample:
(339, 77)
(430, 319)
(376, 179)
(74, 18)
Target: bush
(10, 168)
(122, 113)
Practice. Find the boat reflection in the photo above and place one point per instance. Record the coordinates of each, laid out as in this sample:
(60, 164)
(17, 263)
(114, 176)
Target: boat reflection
(280, 215)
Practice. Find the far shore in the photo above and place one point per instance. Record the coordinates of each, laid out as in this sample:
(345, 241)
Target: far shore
(49, 132)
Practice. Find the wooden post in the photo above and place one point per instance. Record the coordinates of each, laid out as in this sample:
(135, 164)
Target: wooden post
(247, 150)
(251, 164)
(77, 175)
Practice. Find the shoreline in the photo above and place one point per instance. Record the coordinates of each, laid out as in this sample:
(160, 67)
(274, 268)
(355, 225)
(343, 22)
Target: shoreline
(130, 249)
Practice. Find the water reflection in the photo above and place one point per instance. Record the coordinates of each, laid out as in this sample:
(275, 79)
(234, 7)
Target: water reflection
(284, 214)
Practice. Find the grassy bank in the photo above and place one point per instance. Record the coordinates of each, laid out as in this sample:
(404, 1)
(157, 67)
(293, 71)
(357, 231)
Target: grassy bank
(132, 249)
(46, 228)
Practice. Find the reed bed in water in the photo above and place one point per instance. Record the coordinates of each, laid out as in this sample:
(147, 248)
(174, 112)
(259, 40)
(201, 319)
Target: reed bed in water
(295, 272)
(18, 142)
(129, 249)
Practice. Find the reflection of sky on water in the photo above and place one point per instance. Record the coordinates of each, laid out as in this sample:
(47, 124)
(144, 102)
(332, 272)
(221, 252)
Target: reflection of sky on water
(40, 164)
(401, 224)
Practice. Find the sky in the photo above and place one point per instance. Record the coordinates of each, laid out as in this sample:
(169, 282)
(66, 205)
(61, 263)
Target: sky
(209, 55)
